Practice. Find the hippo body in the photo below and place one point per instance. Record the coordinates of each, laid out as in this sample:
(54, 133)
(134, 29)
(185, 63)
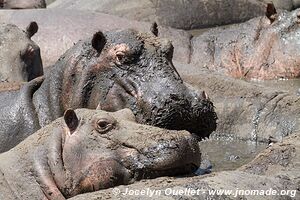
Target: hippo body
(262, 48)
(177, 14)
(121, 69)
(91, 150)
(20, 59)
(22, 4)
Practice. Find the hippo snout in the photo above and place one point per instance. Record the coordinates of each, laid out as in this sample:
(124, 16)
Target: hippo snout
(161, 152)
(176, 108)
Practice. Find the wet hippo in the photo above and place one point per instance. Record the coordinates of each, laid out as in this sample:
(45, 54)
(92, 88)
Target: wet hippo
(183, 14)
(263, 48)
(22, 4)
(90, 150)
(111, 71)
(20, 59)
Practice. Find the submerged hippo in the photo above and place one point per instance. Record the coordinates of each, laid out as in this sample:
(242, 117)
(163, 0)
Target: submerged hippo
(263, 48)
(89, 150)
(22, 4)
(119, 69)
(20, 59)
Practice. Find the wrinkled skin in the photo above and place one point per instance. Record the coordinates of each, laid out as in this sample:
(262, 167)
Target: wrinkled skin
(125, 69)
(92, 150)
(20, 56)
(22, 4)
(262, 48)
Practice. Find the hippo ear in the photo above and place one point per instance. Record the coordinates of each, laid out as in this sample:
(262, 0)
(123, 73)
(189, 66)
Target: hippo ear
(71, 120)
(98, 41)
(270, 12)
(154, 29)
(31, 29)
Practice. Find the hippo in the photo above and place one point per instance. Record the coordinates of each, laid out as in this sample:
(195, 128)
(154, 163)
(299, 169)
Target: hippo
(111, 71)
(89, 150)
(177, 14)
(20, 56)
(22, 4)
(70, 26)
(262, 48)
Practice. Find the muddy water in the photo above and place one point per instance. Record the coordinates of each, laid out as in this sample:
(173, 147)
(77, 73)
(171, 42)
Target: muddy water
(229, 154)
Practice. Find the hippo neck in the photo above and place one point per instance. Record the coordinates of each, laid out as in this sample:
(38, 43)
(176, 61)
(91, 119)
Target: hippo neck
(48, 166)
(47, 99)
(67, 85)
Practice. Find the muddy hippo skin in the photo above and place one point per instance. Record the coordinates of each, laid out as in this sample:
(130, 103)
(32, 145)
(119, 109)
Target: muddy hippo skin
(125, 69)
(91, 150)
(177, 14)
(22, 4)
(262, 48)
(20, 56)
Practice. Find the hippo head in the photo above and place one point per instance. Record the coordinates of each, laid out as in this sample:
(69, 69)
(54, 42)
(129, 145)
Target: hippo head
(19, 55)
(129, 69)
(101, 150)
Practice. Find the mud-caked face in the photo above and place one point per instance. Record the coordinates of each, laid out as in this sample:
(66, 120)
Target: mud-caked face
(19, 55)
(102, 150)
(144, 79)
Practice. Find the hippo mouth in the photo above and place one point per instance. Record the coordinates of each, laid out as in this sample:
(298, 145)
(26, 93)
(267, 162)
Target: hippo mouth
(185, 170)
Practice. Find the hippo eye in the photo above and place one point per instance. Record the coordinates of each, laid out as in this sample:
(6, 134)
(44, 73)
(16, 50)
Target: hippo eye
(120, 57)
(104, 125)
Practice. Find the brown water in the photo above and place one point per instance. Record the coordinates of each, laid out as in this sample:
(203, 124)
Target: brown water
(229, 154)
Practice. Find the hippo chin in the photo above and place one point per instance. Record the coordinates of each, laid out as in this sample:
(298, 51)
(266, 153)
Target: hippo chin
(89, 150)
(112, 71)
(20, 59)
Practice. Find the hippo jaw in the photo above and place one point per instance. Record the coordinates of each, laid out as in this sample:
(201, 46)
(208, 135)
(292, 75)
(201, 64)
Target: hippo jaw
(111, 151)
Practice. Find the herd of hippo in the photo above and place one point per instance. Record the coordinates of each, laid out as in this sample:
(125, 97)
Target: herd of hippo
(96, 94)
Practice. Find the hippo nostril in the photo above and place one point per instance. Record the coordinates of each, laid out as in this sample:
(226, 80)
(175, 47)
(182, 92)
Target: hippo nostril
(298, 18)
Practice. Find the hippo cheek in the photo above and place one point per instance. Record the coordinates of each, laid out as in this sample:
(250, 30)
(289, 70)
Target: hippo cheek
(100, 175)
(116, 99)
